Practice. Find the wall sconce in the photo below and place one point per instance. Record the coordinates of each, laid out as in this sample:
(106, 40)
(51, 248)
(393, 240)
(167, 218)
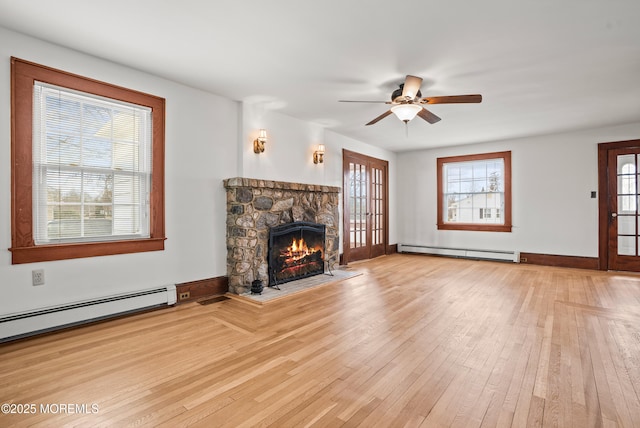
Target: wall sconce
(258, 143)
(318, 155)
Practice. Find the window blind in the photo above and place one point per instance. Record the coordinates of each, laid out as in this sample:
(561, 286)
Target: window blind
(92, 167)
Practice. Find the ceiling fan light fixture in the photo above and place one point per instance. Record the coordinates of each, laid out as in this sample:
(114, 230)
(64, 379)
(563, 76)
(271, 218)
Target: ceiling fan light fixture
(406, 112)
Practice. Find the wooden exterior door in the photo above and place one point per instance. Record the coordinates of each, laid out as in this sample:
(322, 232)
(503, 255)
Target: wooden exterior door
(619, 210)
(365, 206)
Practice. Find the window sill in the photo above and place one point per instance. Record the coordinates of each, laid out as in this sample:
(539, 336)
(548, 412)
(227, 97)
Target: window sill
(475, 227)
(45, 253)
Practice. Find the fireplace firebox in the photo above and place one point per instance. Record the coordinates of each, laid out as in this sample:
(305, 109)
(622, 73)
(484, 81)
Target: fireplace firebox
(296, 250)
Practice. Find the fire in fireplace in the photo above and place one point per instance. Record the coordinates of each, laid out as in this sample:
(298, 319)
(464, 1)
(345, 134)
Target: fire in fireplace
(296, 250)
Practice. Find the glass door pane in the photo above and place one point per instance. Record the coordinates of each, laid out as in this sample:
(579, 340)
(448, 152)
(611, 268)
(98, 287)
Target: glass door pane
(376, 206)
(627, 210)
(357, 205)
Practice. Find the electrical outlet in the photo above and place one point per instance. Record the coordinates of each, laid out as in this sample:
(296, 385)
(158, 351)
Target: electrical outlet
(185, 295)
(37, 276)
(523, 259)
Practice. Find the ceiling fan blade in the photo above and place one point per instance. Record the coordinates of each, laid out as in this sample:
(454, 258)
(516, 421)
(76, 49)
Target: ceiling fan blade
(352, 101)
(411, 87)
(452, 99)
(382, 116)
(428, 116)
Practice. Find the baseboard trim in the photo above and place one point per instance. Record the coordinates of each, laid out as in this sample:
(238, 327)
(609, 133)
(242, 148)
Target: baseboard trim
(202, 288)
(576, 262)
(389, 249)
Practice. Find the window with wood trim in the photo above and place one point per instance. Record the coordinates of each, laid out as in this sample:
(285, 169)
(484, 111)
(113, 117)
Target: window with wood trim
(474, 192)
(87, 166)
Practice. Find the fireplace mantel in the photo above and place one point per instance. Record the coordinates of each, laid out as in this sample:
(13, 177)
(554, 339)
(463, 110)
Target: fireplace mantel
(255, 205)
(254, 183)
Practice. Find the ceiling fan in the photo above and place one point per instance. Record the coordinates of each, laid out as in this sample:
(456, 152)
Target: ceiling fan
(407, 102)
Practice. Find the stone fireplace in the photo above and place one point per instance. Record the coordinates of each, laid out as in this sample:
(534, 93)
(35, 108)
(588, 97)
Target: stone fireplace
(255, 206)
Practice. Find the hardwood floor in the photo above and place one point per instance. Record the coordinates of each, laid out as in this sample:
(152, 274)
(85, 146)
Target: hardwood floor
(414, 341)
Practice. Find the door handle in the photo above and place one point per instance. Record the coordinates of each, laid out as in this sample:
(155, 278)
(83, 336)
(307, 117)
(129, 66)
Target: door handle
(614, 215)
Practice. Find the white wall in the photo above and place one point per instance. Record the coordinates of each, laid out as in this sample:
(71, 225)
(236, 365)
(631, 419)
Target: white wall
(288, 150)
(552, 180)
(288, 154)
(201, 141)
(208, 139)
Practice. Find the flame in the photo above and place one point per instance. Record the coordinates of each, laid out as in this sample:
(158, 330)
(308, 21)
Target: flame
(298, 258)
(298, 248)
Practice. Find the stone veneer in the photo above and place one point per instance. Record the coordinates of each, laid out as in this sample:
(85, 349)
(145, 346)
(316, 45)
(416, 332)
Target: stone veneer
(253, 206)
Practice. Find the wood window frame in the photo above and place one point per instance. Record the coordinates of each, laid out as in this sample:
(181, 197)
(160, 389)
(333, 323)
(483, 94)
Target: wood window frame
(506, 226)
(23, 248)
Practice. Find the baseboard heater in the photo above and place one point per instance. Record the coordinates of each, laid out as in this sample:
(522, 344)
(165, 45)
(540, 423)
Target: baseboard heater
(511, 256)
(24, 324)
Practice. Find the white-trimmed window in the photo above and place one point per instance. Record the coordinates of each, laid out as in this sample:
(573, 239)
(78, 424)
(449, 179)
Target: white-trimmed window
(474, 191)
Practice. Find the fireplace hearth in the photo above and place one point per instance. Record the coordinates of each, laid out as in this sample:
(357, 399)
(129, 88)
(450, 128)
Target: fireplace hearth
(296, 250)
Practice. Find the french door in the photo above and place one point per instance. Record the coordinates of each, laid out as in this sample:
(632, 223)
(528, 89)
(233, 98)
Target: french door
(365, 206)
(619, 210)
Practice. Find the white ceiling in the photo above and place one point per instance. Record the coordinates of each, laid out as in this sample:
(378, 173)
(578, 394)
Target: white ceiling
(542, 66)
